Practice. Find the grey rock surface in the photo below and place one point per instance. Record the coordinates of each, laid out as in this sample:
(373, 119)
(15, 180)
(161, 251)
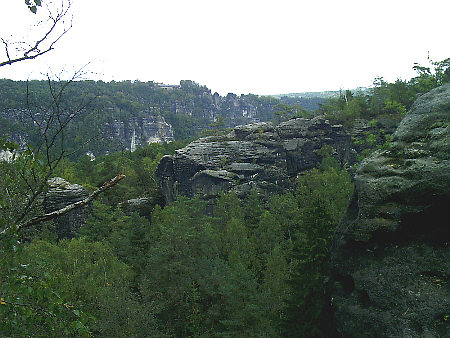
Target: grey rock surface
(138, 131)
(60, 194)
(391, 255)
(260, 155)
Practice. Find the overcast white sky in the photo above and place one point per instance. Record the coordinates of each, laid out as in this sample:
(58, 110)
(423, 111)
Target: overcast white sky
(242, 46)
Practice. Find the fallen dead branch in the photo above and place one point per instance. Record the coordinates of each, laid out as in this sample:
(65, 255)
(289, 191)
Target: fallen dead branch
(68, 208)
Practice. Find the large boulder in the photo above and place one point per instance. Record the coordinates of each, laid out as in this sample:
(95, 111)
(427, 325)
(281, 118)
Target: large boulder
(260, 155)
(391, 256)
(60, 194)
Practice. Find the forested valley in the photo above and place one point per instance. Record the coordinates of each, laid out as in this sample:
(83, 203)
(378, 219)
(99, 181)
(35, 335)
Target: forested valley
(239, 265)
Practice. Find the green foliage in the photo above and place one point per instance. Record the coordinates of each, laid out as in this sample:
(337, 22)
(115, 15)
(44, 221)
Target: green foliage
(180, 274)
(331, 186)
(6, 145)
(201, 270)
(126, 234)
(33, 5)
(216, 128)
(188, 109)
(241, 266)
(232, 272)
(139, 168)
(198, 277)
(22, 183)
(67, 289)
(383, 106)
(436, 74)
(344, 108)
(322, 195)
(284, 112)
(311, 251)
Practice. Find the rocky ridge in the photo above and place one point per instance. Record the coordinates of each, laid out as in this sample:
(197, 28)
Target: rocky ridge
(391, 255)
(261, 155)
(141, 129)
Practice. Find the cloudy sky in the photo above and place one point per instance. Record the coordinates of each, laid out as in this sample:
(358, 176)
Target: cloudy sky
(240, 46)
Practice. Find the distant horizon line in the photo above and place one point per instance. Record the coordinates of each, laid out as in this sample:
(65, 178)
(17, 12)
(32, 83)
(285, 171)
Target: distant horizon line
(162, 85)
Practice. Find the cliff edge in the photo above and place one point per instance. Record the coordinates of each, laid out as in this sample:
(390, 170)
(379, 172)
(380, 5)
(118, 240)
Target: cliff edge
(391, 256)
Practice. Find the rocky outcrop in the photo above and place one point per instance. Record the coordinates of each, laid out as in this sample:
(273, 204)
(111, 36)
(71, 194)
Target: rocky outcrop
(60, 194)
(367, 135)
(259, 155)
(138, 131)
(391, 256)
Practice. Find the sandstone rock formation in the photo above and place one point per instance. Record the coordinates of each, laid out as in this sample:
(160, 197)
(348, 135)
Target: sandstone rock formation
(258, 155)
(234, 109)
(60, 194)
(391, 255)
(138, 131)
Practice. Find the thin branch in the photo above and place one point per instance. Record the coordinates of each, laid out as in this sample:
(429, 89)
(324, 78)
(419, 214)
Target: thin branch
(51, 125)
(6, 49)
(68, 208)
(36, 50)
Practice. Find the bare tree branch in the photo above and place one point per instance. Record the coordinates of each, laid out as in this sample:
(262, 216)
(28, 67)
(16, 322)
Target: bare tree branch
(51, 124)
(58, 27)
(68, 208)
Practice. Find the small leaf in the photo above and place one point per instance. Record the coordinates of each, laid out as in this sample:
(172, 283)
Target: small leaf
(33, 9)
(77, 313)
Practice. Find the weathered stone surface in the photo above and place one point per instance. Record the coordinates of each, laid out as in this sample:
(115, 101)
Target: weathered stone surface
(258, 155)
(137, 131)
(60, 194)
(234, 109)
(391, 256)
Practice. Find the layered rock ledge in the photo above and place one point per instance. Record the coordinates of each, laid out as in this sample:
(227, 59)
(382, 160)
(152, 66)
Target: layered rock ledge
(391, 255)
(260, 155)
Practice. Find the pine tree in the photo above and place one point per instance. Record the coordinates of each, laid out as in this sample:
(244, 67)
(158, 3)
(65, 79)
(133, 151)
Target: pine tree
(311, 249)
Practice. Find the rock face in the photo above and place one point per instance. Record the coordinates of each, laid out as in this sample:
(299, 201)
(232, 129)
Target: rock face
(258, 155)
(391, 256)
(138, 131)
(234, 109)
(380, 130)
(60, 194)
(142, 128)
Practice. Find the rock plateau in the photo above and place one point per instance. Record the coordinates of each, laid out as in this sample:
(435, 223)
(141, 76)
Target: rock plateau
(260, 155)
